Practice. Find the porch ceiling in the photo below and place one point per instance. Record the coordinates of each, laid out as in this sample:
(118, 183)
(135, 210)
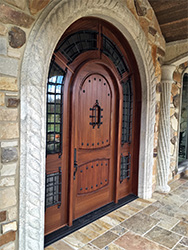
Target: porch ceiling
(172, 17)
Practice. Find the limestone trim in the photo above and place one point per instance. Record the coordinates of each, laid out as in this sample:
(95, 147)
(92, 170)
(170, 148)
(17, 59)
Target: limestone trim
(164, 130)
(46, 32)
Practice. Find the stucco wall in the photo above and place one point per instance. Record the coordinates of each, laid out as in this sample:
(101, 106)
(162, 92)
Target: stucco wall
(17, 18)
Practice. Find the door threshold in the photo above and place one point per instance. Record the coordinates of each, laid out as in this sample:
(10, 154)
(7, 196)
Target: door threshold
(86, 219)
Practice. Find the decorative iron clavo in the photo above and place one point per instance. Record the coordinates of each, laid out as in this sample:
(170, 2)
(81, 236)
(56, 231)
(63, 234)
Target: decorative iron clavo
(96, 115)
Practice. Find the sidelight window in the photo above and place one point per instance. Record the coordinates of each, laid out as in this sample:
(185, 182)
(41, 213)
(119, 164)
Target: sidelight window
(54, 109)
(127, 111)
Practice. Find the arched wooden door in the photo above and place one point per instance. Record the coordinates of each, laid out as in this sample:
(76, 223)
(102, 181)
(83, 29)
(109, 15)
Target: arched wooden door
(93, 122)
(93, 138)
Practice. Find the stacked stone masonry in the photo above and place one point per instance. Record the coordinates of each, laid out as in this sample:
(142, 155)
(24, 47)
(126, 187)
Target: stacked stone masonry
(16, 20)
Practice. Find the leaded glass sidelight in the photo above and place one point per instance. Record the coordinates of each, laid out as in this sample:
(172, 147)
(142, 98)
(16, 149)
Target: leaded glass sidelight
(127, 111)
(54, 109)
(111, 50)
(125, 167)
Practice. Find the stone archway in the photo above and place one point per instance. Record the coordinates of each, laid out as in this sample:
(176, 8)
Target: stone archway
(47, 30)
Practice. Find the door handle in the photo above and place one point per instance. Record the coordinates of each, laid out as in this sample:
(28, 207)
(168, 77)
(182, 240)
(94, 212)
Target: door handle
(75, 165)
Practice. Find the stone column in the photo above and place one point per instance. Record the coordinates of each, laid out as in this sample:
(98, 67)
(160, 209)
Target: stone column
(164, 130)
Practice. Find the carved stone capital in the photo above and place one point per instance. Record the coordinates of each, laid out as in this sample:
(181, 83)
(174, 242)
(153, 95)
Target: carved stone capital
(167, 73)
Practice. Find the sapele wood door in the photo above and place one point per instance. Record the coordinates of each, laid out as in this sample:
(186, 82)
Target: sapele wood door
(94, 130)
(93, 122)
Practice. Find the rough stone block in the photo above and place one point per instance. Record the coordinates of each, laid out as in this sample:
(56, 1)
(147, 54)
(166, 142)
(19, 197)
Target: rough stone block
(18, 3)
(12, 213)
(7, 182)
(37, 5)
(8, 197)
(3, 216)
(9, 66)
(8, 115)
(12, 16)
(17, 37)
(12, 226)
(11, 246)
(140, 8)
(3, 46)
(9, 154)
(2, 99)
(14, 53)
(8, 169)
(13, 102)
(3, 29)
(160, 52)
(152, 31)
(6, 144)
(8, 237)
(8, 83)
(9, 131)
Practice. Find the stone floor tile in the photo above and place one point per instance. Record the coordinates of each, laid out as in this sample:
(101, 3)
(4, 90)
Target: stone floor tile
(181, 228)
(183, 192)
(113, 247)
(166, 221)
(129, 210)
(163, 237)
(131, 241)
(140, 203)
(180, 247)
(50, 248)
(177, 212)
(111, 220)
(104, 239)
(88, 230)
(87, 247)
(73, 241)
(122, 215)
(59, 245)
(103, 225)
(139, 223)
(150, 210)
(173, 199)
(184, 241)
(174, 184)
(184, 206)
(118, 230)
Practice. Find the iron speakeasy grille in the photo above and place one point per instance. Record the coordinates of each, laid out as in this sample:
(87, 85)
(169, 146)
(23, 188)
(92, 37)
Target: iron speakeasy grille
(125, 167)
(54, 128)
(53, 189)
(127, 112)
(111, 50)
(77, 43)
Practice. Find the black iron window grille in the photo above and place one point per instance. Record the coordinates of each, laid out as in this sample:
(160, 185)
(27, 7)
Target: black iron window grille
(111, 50)
(54, 109)
(53, 189)
(77, 43)
(125, 167)
(127, 111)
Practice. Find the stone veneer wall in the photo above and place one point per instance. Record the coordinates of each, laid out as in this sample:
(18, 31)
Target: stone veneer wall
(175, 116)
(16, 20)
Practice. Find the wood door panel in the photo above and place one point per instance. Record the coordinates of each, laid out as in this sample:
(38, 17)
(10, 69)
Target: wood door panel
(92, 176)
(94, 128)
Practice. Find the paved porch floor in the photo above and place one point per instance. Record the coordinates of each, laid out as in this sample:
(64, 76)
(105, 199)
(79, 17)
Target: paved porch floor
(157, 224)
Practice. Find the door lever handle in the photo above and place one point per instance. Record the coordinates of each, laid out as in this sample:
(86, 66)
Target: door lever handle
(75, 165)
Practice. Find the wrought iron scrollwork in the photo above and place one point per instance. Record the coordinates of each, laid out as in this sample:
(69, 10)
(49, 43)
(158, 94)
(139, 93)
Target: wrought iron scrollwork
(96, 115)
